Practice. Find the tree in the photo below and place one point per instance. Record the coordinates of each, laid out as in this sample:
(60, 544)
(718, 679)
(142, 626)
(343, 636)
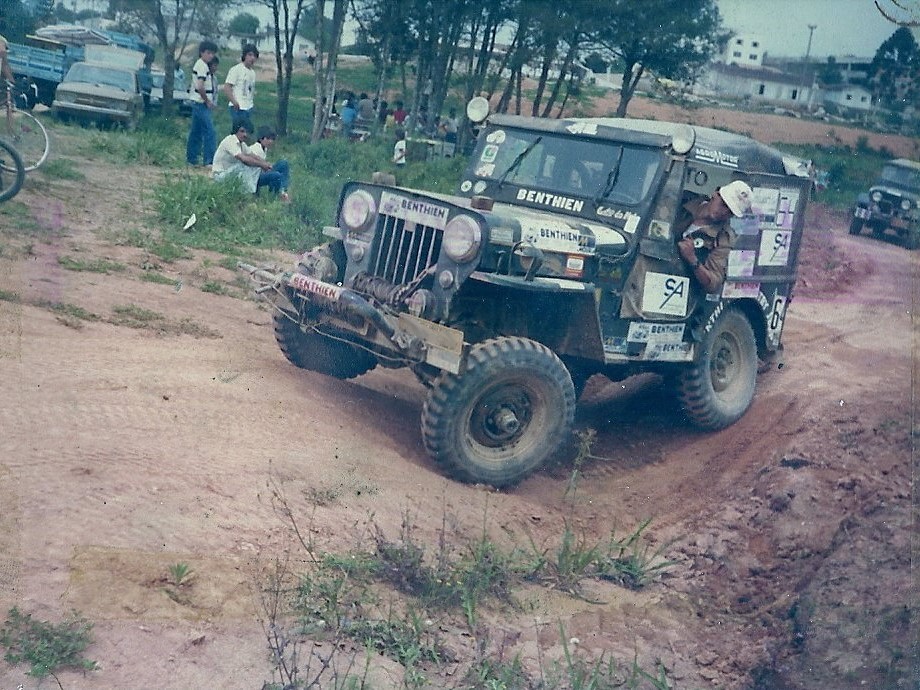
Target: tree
(244, 24)
(285, 23)
(16, 21)
(172, 22)
(673, 39)
(831, 74)
(895, 70)
(328, 44)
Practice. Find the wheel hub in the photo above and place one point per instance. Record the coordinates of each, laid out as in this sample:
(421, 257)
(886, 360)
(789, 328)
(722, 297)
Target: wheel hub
(724, 365)
(501, 416)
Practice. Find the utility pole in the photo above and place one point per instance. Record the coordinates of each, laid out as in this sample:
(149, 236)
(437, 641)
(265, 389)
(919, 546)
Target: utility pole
(811, 32)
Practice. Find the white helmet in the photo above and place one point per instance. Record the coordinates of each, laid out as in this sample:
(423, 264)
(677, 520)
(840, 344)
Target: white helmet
(737, 196)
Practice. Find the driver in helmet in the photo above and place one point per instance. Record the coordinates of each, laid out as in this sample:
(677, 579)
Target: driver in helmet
(706, 235)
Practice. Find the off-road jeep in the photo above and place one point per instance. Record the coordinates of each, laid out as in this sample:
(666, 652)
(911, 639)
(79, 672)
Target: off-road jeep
(892, 203)
(556, 260)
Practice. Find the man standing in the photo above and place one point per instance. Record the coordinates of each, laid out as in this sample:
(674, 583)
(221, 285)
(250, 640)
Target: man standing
(706, 234)
(202, 139)
(240, 87)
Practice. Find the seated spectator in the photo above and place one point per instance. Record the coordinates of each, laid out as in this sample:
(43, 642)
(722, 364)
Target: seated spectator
(278, 177)
(349, 115)
(233, 157)
(366, 111)
(399, 150)
(449, 126)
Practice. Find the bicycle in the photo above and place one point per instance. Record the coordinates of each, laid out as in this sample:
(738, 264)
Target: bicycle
(12, 172)
(25, 132)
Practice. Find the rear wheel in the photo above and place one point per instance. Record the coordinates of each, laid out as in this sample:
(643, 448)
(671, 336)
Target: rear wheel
(719, 386)
(12, 172)
(509, 413)
(330, 353)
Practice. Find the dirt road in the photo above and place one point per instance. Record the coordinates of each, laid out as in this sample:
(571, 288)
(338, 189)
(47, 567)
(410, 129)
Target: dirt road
(142, 432)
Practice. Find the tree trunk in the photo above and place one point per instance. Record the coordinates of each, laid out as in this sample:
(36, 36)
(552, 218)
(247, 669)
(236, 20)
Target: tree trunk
(628, 88)
(325, 63)
(566, 66)
(549, 52)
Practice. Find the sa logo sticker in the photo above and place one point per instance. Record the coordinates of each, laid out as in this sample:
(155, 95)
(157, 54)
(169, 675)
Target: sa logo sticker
(665, 294)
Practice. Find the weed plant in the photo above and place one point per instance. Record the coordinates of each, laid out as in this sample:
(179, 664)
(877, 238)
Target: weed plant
(46, 647)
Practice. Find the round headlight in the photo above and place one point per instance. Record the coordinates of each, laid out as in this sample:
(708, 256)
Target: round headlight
(477, 109)
(358, 209)
(683, 139)
(462, 237)
(876, 196)
(905, 204)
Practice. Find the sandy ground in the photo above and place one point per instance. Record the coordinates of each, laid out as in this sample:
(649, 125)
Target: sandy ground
(126, 450)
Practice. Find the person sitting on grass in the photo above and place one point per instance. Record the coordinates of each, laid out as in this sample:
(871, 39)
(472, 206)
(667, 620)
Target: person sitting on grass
(280, 174)
(233, 157)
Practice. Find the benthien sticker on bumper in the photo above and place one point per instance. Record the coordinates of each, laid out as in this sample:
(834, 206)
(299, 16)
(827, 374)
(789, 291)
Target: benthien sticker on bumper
(665, 294)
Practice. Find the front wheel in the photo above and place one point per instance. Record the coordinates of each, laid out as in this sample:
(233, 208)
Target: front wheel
(912, 239)
(719, 386)
(509, 413)
(12, 172)
(28, 135)
(856, 226)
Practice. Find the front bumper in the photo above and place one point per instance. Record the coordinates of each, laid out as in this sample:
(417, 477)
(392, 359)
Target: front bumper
(873, 215)
(411, 338)
(92, 111)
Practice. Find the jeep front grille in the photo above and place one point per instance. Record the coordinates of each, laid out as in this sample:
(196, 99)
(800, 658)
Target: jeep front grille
(886, 206)
(403, 249)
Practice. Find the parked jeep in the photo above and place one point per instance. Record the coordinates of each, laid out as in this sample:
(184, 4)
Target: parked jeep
(555, 260)
(892, 203)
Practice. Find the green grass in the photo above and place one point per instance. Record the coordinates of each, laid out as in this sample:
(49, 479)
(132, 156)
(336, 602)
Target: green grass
(45, 647)
(155, 277)
(61, 169)
(90, 265)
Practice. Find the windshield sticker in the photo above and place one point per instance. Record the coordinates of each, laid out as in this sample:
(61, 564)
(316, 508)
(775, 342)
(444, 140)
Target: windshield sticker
(632, 219)
(632, 223)
(496, 137)
(551, 200)
(489, 153)
(582, 128)
(466, 186)
(741, 262)
(643, 332)
(665, 294)
(413, 210)
(737, 290)
(555, 236)
(486, 170)
(480, 187)
(774, 248)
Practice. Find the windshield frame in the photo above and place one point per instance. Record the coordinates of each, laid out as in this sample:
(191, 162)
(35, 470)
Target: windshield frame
(904, 176)
(556, 163)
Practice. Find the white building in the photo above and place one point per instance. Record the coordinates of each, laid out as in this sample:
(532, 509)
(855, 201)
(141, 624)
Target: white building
(769, 86)
(847, 96)
(744, 50)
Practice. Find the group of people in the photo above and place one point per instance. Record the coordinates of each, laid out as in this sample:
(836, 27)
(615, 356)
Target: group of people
(233, 156)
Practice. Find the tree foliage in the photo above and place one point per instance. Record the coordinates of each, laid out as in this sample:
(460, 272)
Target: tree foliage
(172, 22)
(895, 70)
(244, 24)
(16, 20)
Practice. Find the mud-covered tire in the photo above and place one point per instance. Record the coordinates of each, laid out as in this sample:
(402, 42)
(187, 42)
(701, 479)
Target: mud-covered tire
(717, 389)
(317, 352)
(856, 226)
(912, 239)
(509, 413)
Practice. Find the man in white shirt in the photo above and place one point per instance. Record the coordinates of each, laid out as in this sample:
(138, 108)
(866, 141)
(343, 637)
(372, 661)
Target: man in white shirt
(278, 177)
(240, 88)
(233, 157)
(202, 138)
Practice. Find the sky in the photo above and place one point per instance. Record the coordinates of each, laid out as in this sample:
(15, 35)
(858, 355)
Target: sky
(843, 27)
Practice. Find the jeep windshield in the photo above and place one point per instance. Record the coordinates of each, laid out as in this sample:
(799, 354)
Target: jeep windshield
(596, 169)
(899, 176)
(85, 73)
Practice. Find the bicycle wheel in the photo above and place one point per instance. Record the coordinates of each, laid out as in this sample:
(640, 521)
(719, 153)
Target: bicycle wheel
(12, 172)
(24, 131)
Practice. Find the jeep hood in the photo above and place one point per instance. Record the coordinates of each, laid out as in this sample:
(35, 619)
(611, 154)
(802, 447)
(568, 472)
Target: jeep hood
(903, 192)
